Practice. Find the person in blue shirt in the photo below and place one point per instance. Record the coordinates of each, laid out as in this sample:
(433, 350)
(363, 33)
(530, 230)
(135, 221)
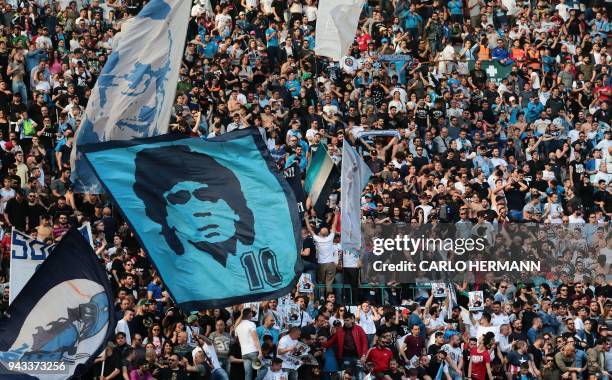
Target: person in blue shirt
(298, 156)
(293, 85)
(267, 328)
(154, 291)
(501, 54)
(272, 44)
(456, 10)
(483, 162)
(210, 47)
(278, 152)
(535, 330)
(533, 110)
(412, 21)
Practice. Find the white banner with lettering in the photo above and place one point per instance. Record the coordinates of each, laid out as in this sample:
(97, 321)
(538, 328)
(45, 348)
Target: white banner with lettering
(27, 254)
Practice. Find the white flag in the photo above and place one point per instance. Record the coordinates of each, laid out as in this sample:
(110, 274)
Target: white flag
(135, 92)
(336, 26)
(355, 176)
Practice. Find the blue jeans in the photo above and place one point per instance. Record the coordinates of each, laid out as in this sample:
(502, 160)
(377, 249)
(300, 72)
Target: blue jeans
(516, 215)
(20, 87)
(225, 364)
(454, 374)
(219, 374)
(293, 373)
(354, 365)
(248, 364)
(370, 338)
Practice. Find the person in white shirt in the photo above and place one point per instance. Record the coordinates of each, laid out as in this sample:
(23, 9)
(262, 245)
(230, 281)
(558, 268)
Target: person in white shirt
(207, 349)
(366, 316)
(447, 57)
(498, 317)
(122, 325)
(249, 342)
(563, 10)
(304, 318)
(496, 160)
(326, 262)
(202, 7)
(276, 372)
(286, 352)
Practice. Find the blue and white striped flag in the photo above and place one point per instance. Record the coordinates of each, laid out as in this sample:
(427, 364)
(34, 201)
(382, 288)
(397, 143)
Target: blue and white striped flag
(136, 88)
(321, 178)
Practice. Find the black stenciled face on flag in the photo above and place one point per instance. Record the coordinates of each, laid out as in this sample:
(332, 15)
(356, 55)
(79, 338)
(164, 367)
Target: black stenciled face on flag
(212, 212)
(205, 206)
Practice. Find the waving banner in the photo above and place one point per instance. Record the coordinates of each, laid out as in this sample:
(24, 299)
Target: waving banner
(337, 23)
(216, 216)
(355, 176)
(134, 94)
(61, 319)
(27, 254)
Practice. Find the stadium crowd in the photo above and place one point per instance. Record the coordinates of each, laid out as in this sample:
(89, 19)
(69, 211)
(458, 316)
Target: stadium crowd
(446, 140)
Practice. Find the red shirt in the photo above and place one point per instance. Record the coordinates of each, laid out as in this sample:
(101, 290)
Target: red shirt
(603, 93)
(414, 346)
(479, 363)
(363, 41)
(380, 357)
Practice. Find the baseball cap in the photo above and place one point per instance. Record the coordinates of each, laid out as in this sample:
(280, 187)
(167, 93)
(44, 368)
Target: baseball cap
(192, 319)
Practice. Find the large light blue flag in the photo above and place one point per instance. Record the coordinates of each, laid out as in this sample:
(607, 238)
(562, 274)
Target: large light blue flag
(217, 218)
(134, 94)
(355, 176)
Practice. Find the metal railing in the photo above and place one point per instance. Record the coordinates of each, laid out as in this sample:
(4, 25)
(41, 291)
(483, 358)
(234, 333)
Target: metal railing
(380, 294)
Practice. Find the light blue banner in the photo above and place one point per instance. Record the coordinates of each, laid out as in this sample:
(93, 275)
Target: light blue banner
(216, 217)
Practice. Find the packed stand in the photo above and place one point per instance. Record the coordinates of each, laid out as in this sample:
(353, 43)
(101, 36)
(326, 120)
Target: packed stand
(445, 144)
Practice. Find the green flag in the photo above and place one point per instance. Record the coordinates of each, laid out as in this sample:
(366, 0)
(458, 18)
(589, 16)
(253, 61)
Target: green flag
(495, 70)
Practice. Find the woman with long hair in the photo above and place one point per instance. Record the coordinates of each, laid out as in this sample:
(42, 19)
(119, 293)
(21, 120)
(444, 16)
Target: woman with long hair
(55, 62)
(155, 337)
(338, 316)
(167, 349)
